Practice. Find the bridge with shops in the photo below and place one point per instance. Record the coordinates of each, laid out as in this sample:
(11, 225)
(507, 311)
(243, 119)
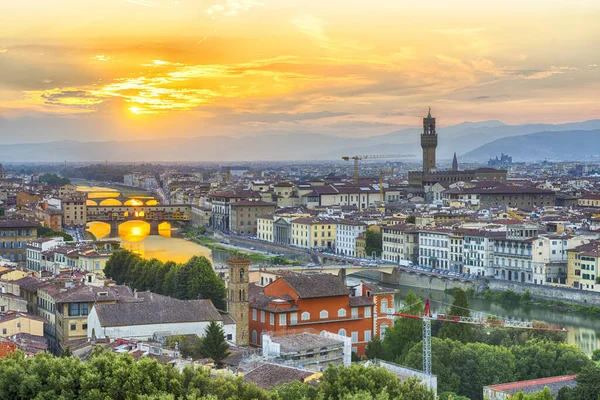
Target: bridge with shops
(153, 215)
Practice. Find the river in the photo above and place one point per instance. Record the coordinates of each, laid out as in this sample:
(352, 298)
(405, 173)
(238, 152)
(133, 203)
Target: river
(582, 330)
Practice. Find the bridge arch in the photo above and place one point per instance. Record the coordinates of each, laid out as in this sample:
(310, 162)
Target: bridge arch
(134, 231)
(89, 202)
(152, 202)
(164, 229)
(110, 202)
(99, 229)
(133, 202)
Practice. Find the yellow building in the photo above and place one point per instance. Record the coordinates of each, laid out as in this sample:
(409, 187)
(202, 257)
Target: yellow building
(13, 323)
(590, 200)
(67, 307)
(361, 245)
(314, 232)
(74, 211)
(583, 263)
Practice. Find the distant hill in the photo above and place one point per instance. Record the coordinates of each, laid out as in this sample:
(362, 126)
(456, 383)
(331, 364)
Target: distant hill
(563, 145)
(302, 145)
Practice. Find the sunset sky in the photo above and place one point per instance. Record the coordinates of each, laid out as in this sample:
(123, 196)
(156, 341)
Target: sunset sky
(128, 69)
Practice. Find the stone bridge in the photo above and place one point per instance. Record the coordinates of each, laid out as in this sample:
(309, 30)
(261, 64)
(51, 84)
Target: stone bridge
(153, 215)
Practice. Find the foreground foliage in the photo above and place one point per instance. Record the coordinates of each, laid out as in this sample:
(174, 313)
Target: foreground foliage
(107, 375)
(466, 358)
(193, 280)
(356, 383)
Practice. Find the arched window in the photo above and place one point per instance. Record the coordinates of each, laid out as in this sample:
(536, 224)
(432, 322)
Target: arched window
(342, 332)
(242, 275)
(341, 312)
(254, 337)
(383, 306)
(323, 314)
(383, 327)
(305, 316)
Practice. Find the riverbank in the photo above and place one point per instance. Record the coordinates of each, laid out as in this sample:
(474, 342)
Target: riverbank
(256, 257)
(511, 299)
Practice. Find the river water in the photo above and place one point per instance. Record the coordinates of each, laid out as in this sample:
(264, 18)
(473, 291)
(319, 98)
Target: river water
(582, 330)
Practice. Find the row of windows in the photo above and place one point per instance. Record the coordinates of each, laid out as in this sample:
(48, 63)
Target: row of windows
(17, 232)
(305, 316)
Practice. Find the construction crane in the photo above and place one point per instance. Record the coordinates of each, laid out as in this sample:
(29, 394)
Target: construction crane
(382, 173)
(427, 317)
(371, 157)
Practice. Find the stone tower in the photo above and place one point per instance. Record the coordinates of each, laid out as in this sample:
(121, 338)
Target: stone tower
(237, 297)
(2, 176)
(454, 163)
(429, 141)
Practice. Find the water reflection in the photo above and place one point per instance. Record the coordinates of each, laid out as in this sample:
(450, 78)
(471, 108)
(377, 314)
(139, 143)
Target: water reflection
(135, 236)
(582, 330)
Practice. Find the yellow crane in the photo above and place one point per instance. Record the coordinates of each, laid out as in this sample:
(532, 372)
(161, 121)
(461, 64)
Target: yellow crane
(382, 173)
(372, 157)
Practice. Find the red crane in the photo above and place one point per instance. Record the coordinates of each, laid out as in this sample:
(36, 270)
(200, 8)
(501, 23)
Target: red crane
(427, 317)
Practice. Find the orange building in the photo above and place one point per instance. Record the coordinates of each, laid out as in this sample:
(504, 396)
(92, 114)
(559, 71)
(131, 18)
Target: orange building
(383, 305)
(319, 302)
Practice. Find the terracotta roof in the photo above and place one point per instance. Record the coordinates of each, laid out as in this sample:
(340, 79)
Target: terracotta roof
(359, 301)
(256, 203)
(163, 311)
(29, 283)
(316, 285)
(17, 223)
(554, 383)
(269, 375)
(6, 348)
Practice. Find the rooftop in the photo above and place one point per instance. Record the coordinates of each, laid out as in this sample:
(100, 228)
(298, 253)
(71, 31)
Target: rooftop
(304, 341)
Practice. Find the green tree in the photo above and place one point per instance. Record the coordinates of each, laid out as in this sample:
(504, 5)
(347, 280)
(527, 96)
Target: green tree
(441, 362)
(296, 391)
(588, 386)
(406, 332)
(545, 394)
(338, 382)
(54, 180)
(411, 219)
(375, 349)
(374, 243)
(454, 330)
(596, 355)
(213, 344)
(540, 359)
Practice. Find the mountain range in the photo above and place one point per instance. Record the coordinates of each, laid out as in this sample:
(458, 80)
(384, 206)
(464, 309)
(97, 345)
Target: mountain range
(471, 141)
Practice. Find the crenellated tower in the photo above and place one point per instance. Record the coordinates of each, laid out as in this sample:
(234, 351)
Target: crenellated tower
(429, 142)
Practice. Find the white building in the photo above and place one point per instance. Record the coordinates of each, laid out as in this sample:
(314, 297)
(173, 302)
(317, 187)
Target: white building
(35, 248)
(434, 248)
(346, 233)
(478, 252)
(154, 314)
(400, 243)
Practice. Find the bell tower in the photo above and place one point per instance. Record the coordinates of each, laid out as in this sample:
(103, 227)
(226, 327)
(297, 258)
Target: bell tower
(237, 297)
(429, 141)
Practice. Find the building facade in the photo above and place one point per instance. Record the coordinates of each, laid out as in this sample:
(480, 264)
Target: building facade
(244, 215)
(320, 302)
(400, 243)
(14, 236)
(346, 233)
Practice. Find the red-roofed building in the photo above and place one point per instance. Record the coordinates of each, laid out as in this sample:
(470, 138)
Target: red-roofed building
(319, 302)
(508, 390)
